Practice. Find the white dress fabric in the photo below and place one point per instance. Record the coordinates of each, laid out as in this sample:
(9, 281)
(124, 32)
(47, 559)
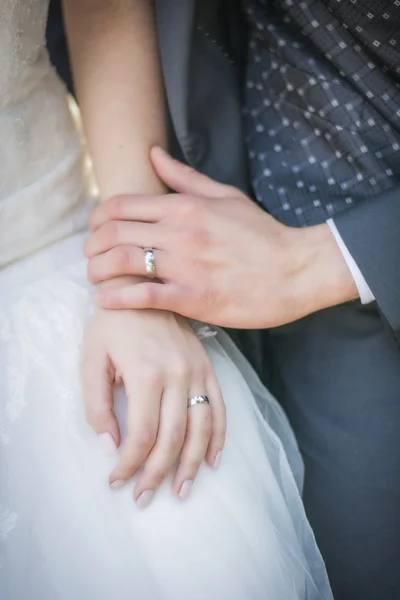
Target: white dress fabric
(64, 534)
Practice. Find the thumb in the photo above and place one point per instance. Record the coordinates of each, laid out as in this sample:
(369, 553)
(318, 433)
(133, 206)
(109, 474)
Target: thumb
(185, 179)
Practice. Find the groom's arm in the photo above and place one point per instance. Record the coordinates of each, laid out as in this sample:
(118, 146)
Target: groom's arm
(371, 233)
(315, 276)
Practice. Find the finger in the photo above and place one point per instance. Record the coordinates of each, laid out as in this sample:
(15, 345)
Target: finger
(164, 296)
(194, 449)
(170, 439)
(147, 209)
(97, 390)
(119, 233)
(185, 179)
(218, 431)
(125, 260)
(144, 394)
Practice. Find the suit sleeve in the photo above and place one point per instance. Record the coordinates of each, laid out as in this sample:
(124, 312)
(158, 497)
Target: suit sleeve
(371, 233)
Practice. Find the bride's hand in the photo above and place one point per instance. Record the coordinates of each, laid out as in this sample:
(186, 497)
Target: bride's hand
(161, 363)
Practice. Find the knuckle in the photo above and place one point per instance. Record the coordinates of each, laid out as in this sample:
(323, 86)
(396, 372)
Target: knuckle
(150, 376)
(189, 204)
(128, 465)
(92, 271)
(97, 417)
(191, 463)
(219, 422)
(197, 372)
(189, 171)
(221, 429)
(153, 476)
(114, 207)
(201, 369)
(220, 432)
(190, 207)
(219, 416)
(180, 368)
(110, 232)
(93, 217)
(122, 257)
(145, 437)
(175, 440)
(88, 246)
(205, 428)
(175, 203)
(200, 237)
(219, 409)
(223, 411)
(150, 294)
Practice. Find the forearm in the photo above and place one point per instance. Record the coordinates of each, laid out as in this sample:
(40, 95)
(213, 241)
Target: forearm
(117, 74)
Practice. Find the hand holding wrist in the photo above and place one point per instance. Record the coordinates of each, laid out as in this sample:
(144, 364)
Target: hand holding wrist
(220, 258)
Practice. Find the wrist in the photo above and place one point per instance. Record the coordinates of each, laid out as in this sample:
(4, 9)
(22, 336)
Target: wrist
(323, 278)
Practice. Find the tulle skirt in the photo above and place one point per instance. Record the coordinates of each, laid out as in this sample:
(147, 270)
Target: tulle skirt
(65, 535)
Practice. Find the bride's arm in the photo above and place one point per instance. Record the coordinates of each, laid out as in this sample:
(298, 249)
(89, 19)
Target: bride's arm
(115, 60)
(116, 68)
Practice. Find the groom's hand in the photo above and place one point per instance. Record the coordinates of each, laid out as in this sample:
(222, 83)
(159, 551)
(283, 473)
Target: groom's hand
(219, 257)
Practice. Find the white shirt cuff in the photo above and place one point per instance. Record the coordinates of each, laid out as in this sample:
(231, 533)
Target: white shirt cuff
(366, 296)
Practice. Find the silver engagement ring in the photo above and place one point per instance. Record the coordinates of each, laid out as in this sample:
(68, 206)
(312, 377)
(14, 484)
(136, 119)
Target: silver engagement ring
(198, 400)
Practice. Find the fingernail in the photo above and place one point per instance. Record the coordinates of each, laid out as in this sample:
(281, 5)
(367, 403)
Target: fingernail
(185, 489)
(144, 499)
(217, 460)
(107, 443)
(117, 484)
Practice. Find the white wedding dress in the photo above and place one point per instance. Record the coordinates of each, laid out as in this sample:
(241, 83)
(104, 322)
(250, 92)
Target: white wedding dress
(64, 535)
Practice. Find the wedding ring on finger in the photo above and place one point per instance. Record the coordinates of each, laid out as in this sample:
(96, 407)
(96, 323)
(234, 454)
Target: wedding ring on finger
(150, 262)
(196, 400)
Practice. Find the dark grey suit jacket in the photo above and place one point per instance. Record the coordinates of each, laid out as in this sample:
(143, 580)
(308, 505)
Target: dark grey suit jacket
(198, 41)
